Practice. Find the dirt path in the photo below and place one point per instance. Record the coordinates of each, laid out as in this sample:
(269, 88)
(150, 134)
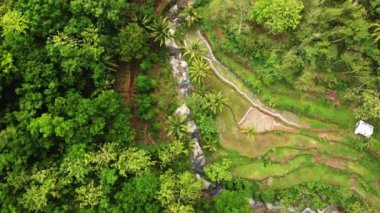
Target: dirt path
(254, 101)
(267, 119)
(121, 83)
(275, 118)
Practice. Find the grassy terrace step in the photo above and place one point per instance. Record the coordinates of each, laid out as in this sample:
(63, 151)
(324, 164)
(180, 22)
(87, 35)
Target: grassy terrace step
(257, 170)
(269, 142)
(233, 139)
(311, 173)
(341, 116)
(285, 154)
(302, 169)
(297, 156)
(318, 114)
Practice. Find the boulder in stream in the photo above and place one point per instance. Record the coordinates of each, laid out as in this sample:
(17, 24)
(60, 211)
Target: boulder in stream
(183, 111)
(173, 48)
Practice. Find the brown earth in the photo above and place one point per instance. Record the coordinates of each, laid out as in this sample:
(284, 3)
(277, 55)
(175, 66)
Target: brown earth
(261, 121)
(331, 163)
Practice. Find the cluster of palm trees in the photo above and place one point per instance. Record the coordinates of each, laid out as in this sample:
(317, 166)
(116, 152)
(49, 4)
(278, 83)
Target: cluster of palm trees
(160, 29)
(199, 69)
(178, 128)
(214, 102)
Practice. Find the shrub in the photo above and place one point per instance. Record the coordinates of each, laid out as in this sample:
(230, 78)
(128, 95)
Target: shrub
(277, 15)
(144, 84)
(144, 107)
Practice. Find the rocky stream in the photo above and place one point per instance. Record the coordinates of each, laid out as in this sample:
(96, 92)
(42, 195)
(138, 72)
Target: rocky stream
(180, 72)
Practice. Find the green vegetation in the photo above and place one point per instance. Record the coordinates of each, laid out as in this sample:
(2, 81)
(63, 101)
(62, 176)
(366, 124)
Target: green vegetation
(278, 15)
(304, 194)
(260, 170)
(288, 54)
(199, 70)
(232, 201)
(219, 171)
(88, 99)
(68, 141)
(307, 58)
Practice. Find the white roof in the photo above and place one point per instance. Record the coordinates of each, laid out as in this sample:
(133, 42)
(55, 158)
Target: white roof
(364, 129)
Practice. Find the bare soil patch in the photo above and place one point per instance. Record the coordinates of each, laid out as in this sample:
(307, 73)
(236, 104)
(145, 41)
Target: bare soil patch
(331, 163)
(261, 122)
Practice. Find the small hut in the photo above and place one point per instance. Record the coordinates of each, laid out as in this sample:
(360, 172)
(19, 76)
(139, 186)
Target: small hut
(364, 128)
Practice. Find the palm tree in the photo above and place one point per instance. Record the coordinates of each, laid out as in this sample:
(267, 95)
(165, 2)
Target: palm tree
(376, 32)
(195, 50)
(177, 126)
(190, 15)
(250, 131)
(216, 102)
(199, 70)
(202, 90)
(160, 30)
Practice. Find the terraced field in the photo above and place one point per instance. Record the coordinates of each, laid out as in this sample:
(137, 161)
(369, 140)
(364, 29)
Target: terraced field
(313, 151)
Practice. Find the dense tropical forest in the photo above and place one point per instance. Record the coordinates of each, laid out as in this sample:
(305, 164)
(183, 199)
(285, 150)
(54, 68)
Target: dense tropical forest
(104, 105)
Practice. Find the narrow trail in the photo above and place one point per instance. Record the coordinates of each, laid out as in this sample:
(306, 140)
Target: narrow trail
(332, 135)
(254, 102)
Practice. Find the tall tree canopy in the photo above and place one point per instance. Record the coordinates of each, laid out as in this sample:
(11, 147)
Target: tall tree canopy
(66, 141)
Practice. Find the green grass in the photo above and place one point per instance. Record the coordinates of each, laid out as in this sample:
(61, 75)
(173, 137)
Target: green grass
(318, 124)
(311, 173)
(323, 147)
(357, 168)
(316, 110)
(256, 170)
(292, 153)
(368, 167)
(283, 154)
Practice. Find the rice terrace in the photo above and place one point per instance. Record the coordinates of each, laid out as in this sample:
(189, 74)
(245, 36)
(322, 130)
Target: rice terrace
(268, 106)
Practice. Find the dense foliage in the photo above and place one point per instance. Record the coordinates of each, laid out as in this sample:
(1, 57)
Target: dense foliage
(294, 54)
(277, 15)
(316, 195)
(66, 140)
(333, 46)
(70, 143)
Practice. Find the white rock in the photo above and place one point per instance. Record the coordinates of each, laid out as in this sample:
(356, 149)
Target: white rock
(183, 110)
(192, 127)
(174, 9)
(251, 202)
(172, 31)
(183, 64)
(269, 206)
(171, 43)
(308, 210)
